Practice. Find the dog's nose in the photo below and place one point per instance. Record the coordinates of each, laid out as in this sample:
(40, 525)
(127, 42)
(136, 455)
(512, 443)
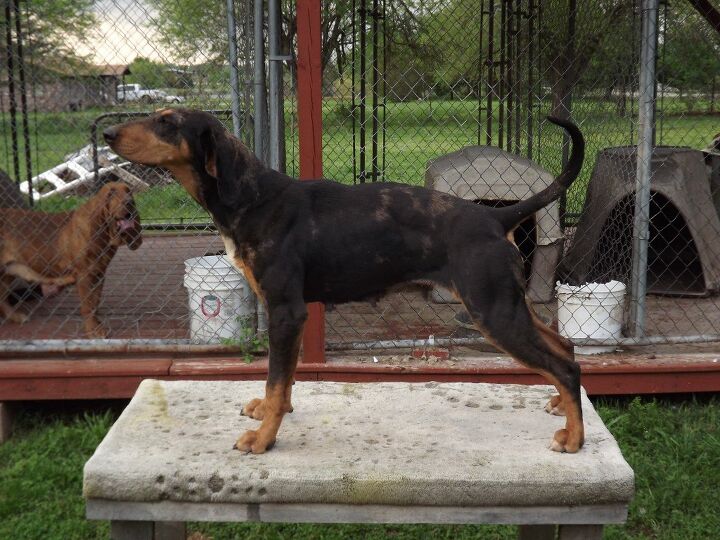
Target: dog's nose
(110, 134)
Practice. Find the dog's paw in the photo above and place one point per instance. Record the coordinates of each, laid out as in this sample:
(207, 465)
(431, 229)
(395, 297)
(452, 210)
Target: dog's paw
(96, 330)
(562, 442)
(255, 409)
(253, 441)
(555, 406)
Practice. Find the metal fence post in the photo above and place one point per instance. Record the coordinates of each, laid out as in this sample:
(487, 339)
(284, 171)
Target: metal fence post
(646, 121)
(275, 101)
(260, 127)
(10, 55)
(234, 79)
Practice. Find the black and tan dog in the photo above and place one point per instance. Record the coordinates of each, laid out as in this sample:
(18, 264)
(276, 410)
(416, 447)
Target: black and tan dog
(320, 241)
(56, 250)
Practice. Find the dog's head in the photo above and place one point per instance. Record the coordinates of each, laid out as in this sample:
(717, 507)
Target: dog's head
(118, 211)
(204, 157)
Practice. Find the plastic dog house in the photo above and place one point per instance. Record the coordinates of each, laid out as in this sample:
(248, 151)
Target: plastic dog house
(684, 243)
(492, 176)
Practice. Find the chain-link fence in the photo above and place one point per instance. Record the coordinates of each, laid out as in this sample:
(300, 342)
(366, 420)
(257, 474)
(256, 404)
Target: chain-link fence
(425, 83)
(414, 90)
(69, 71)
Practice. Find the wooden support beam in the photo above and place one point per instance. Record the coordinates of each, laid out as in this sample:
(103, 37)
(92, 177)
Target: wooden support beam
(309, 80)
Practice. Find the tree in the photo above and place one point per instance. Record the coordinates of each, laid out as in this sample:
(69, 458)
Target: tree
(151, 74)
(197, 31)
(571, 36)
(47, 24)
(689, 52)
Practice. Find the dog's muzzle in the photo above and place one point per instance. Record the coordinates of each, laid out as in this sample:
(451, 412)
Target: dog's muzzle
(130, 231)
(110, 134)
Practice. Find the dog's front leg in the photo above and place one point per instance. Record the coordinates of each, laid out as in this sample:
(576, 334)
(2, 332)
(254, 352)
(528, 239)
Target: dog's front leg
(89, 288)
(285, 333)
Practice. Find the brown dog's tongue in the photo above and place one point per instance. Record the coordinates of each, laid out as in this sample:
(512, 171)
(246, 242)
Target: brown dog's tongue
(50, 290)
(125, 224)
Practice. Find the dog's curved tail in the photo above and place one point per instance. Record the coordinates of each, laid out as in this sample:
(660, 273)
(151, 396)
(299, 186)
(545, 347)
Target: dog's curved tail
(510, 216)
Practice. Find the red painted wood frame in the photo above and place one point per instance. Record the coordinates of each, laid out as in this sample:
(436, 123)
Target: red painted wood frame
(309, 89)
(117, 376)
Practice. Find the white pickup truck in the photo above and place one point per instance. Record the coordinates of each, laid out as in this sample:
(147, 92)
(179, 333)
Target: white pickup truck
(135, 92)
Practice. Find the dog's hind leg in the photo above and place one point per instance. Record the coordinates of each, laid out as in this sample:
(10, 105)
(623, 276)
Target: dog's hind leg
(490, 284)
(561, 344)
(287, 320)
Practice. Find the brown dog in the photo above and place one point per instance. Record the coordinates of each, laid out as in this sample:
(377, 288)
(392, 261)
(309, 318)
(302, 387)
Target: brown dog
(56, 250)
(320, 241)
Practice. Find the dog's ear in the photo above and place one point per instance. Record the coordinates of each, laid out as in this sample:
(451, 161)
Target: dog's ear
(105, 203)
(226, 164)
(130, 227)
(210, 151)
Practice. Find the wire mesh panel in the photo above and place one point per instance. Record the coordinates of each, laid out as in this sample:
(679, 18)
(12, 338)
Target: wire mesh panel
(414, 84)
(70, 269)
(683, 253)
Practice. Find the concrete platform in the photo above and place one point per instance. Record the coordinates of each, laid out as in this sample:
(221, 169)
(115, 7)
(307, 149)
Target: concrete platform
(381, 452)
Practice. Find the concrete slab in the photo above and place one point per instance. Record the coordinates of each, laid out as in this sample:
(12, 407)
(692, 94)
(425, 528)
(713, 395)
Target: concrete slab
(450, 444)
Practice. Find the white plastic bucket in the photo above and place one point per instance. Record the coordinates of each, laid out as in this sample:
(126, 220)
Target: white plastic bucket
(593, 310)
(221, 303)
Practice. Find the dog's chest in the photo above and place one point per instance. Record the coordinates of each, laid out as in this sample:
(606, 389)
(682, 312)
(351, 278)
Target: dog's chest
(243, 266)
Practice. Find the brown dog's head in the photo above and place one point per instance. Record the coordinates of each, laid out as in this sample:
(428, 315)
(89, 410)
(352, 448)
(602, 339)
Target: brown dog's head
(118, 210)
(201, 154)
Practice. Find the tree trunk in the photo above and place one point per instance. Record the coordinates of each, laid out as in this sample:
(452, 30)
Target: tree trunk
(708, 12)
(565, 72)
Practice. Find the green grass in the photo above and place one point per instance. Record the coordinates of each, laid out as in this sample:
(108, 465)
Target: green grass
(675, 451)
(419, 131)
(163, 204)
(673, 446)
(415, 133)
(40, 477)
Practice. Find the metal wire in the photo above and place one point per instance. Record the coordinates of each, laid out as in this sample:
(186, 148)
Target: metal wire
(423, 81)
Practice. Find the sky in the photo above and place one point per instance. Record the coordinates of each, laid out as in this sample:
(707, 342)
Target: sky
(123, 32)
